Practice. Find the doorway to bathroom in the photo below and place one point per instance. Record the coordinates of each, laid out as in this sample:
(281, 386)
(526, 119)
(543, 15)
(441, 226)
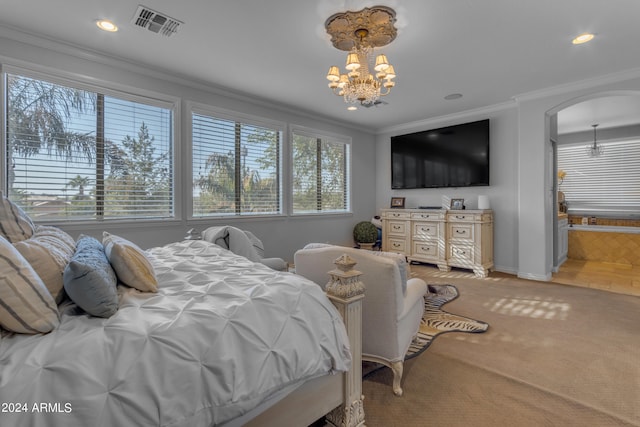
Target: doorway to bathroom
(595, 145)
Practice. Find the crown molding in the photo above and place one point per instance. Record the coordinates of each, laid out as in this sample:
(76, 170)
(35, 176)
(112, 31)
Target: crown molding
(579, 85)
(434, 121)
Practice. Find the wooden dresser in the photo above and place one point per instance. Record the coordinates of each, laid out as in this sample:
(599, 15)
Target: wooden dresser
(446, 238)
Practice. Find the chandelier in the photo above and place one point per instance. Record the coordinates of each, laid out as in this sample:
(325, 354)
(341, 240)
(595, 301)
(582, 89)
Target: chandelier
(359, 33)
(594, 150)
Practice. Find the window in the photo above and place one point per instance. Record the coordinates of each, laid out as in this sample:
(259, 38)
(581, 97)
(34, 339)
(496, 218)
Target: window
(236, 166)
(607, 183)
(320, 167)
(75, 154)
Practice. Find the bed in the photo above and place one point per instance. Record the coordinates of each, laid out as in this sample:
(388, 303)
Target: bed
(222, 341)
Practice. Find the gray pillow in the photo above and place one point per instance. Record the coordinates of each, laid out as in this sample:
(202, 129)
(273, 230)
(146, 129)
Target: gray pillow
(89, 279)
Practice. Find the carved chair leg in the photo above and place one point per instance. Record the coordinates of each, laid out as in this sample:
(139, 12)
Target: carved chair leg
(397, 368)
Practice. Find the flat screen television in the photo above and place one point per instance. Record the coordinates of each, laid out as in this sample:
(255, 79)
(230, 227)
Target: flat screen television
(453, 156)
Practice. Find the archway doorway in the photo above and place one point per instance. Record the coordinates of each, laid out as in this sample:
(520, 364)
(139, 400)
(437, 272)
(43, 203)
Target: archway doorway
(617, 116)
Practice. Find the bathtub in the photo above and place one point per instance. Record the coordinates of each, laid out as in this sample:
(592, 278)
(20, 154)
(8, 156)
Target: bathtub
(605, 228)
(605, 243)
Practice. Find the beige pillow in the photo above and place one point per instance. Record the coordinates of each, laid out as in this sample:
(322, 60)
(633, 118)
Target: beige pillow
(26, 306)
(48, 251)
(130, 263)
(15, 225)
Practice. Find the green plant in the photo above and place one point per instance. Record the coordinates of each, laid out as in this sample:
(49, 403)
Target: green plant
(365, 232)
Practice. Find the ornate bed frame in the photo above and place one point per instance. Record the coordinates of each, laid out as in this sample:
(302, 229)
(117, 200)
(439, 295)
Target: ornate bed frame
(337, 397)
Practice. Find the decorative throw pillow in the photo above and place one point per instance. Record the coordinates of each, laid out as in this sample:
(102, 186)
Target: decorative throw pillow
(89, 279)
(26, 306)
(58, 237)
(15, 225)
(130, 263)
(48, 251)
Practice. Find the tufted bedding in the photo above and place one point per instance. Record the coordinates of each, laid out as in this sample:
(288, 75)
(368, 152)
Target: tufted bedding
(221, 336)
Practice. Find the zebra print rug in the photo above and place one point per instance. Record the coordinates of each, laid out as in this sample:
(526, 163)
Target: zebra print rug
(436, 321)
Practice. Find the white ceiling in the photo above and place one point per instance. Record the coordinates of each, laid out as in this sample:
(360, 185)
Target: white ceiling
(489, 50)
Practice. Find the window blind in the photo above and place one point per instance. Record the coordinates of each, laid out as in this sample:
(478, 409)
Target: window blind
(236, 167)
(320, 174)
(76, 154)
(607, 183)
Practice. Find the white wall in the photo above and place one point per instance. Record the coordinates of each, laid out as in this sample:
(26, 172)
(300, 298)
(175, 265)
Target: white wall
(283, 235)
(503, 174)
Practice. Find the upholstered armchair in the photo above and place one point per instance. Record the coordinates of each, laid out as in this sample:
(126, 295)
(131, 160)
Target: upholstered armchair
(393, 305)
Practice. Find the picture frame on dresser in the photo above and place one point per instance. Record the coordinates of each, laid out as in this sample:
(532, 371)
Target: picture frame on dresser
(397, 202)
(457, 204)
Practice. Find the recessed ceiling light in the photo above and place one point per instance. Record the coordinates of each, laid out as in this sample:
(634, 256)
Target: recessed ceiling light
(583, 38)
(106, 25)
(352, 108)
(453, 96)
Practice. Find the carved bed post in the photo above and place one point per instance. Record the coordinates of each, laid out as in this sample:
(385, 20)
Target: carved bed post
(346, 291)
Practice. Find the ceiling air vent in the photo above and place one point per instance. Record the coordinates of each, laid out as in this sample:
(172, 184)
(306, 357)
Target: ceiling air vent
(155, 21)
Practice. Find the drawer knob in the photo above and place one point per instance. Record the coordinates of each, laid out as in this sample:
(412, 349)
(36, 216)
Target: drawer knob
(426, 249)
(461, 231)
(396, 227)
(460, 216)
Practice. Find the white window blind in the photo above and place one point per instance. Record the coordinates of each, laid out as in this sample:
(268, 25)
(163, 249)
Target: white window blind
(608, 183)
(320, 174)
(236, 167)
(75, 154)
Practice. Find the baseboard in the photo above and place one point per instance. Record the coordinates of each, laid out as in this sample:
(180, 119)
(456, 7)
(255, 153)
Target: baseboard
(538, 277)
(506, 270)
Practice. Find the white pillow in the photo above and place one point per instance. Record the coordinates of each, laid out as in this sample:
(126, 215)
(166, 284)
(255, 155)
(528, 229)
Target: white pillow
(130, 263)
(48, 251)
(15, 225)
(26, 306)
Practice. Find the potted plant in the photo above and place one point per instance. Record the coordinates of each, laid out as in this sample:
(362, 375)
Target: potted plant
(365, 235)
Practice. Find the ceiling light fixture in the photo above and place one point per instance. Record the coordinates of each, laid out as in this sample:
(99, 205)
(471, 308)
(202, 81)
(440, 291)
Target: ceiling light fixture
(595, 150)
(359, 33)
(106, 25)
(583, 38)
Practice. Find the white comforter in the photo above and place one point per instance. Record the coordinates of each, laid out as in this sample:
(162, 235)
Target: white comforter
(221, 336)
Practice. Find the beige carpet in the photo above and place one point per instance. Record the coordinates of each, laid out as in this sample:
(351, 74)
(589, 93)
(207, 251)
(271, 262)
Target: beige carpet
(554, 355)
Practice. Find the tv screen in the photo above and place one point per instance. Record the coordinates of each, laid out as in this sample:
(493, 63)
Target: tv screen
(453, 156)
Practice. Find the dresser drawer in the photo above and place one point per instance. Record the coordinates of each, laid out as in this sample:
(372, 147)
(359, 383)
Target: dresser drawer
(460, 255)
(396, 214)
(461, 217)
(460, 232)
(397, 228)
(425, 250)
(425, 230)
(427, 216)
(397, 245)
